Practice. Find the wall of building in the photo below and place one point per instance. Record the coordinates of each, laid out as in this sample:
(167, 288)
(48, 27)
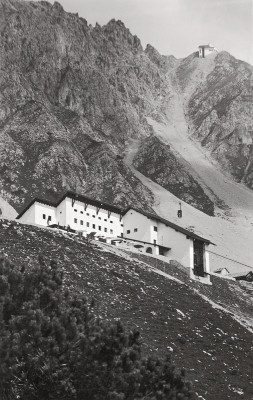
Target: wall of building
(206, 51)
(61, 214)
(92, 220)
(29, 216)
(42, 212)
(138, 227)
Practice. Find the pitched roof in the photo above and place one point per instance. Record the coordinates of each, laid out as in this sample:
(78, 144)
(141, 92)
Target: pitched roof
(220, 269)
(112, 208)
(170, 224)
(241, 274)
(207, 46)
(89, 200)
(35, 200)
(73, 196)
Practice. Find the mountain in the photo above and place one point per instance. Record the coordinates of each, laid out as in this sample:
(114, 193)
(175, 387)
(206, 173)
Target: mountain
(73, 97)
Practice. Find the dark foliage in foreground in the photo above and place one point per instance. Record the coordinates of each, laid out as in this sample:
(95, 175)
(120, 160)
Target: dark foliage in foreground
(52, 346)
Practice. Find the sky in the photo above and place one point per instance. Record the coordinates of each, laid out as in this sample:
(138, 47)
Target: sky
(177, 27)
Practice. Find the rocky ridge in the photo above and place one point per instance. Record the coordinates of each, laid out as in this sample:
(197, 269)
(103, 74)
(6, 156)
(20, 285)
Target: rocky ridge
(73, 96)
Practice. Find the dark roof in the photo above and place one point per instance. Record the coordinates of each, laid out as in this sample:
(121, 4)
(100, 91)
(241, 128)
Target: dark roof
(89, 200)
(46, 202)
(74, 196)
(206, 45)
(243, 274)
(170, 224)
(115, 209)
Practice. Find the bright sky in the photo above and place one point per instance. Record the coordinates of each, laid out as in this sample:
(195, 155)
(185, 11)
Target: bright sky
(178, 27)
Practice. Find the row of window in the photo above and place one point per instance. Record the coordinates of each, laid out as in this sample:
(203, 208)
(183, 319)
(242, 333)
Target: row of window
(93, 226)
(93, 216)
(136, 230)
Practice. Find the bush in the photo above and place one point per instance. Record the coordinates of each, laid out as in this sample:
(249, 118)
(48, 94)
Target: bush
(53, 347)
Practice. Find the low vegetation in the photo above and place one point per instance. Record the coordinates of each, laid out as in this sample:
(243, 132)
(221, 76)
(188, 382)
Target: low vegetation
(53, 347)
(172, 317)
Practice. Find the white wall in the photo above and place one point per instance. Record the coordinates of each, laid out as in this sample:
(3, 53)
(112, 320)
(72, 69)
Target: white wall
(134, 220)
(103, 222)
(34, 215)
(46, 211)
(29, 216)
(181, 247)
(206, 51)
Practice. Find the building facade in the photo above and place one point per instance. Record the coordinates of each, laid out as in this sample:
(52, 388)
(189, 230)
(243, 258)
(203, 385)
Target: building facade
(161, 237)
(75, 212)
(148, 232)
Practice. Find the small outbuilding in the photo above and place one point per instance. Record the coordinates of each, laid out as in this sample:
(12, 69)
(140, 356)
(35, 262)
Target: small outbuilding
(222, 271)
(206, 49)
(243, 276)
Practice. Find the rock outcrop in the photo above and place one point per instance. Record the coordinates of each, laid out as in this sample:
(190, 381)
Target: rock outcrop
(72, 97)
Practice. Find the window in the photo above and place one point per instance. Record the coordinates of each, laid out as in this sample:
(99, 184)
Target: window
(49, 218)
(155, 228)
(87, 224)
(75, 209)
(44, 216)
(81, 212)
(93, 216)
(75, 220)
(135, 229)
(121, 234)
(81, 222)
(99, 228)
(128, 231)
(105, 220)
(111, 222)
(87, 214)
(105, 229)
(99, 217)
(121, 225)
(154, 241)
(111, 231)
(93, 226)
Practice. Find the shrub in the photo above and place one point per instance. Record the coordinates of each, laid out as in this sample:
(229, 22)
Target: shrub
(53, 347)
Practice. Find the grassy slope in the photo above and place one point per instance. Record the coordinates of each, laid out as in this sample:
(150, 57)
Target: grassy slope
(215, 349)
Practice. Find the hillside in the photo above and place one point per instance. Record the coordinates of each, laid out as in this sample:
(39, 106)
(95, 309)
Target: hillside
(169, 310)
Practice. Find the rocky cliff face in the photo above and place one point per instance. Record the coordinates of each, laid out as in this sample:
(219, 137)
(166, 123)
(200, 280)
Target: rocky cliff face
(220, 116)
(158, 162)
(72, 97)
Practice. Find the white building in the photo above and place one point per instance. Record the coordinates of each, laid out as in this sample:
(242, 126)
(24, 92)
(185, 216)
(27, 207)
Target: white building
(154, 235)
(162, 237)
(206, 49)
(75, 212)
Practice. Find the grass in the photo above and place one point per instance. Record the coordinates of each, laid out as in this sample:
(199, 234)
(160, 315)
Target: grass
(173, 318)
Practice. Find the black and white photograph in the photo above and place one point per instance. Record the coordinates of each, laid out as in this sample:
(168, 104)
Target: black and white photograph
(126, 200)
